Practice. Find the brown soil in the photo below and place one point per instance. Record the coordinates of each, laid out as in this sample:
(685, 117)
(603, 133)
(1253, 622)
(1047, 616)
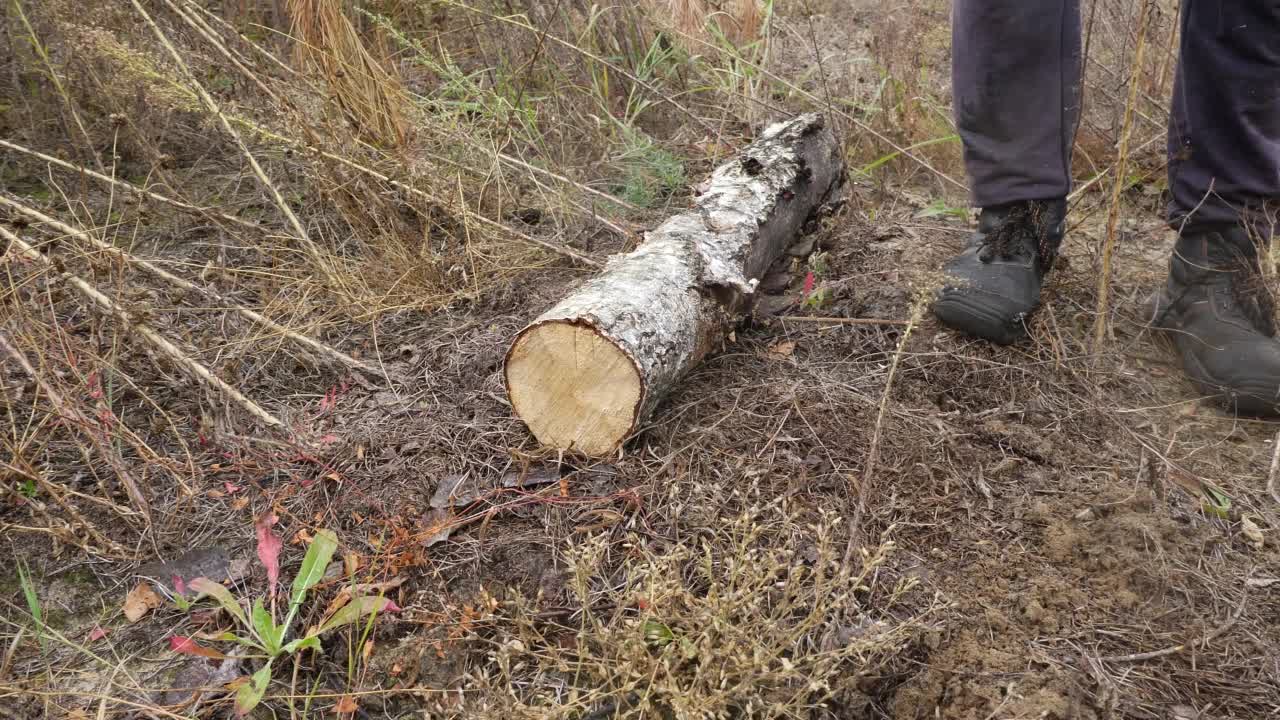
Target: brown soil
(1049, 497)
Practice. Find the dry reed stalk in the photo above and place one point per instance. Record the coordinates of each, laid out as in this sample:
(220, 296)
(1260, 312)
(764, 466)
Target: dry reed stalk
(504, 158)
(191, 5)
(72, 413)
(873, 450)
(40, 50)
(202, 29)
(317, 257)
(1118, 182)
(184, 284)
(157, 341)
(372, 98)
(470, 214)
(129, 187)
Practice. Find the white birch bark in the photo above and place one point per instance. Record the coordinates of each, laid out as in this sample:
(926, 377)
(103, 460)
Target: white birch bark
(586, 373)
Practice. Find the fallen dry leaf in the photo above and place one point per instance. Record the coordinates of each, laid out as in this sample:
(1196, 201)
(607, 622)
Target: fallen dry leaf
(782, 349)
(140, 601)
(346, 704)
(1252, 533)
(187, 646)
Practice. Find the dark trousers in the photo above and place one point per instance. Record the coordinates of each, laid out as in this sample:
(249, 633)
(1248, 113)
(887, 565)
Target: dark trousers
(1016, 67)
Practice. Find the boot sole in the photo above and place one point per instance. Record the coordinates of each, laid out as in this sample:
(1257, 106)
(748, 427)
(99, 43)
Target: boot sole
(959, 313)
(1242, 400)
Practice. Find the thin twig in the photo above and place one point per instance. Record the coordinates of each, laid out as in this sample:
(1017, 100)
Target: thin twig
(158, 341)
(321, 262)
(1117, 188)
(557, 249)
(369, 171)
(873, 451)
(185, 284)
(1201, 642)
(1274, 473)
(43, 54)
(69, 411)
(842, 320)
(522, 22)
(127, 186)
(458, 136)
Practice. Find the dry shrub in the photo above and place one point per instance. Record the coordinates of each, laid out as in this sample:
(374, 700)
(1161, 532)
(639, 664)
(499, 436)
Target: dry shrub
(371, 97)
(758, 619)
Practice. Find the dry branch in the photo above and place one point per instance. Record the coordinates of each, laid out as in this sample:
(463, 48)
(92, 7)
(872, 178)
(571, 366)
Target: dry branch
(157, 341)
(72, 413)
(184, 284)
(586, 373)
(127, 186)
(317, 257)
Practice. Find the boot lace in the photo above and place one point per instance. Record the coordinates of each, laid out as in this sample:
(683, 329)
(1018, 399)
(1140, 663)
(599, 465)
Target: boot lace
(1021, 232)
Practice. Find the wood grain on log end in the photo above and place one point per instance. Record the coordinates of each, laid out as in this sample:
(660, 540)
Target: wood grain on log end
(574, 388)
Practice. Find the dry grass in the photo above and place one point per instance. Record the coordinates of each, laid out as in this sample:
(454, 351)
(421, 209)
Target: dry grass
(761, 618)
(357, 281)
(370, 96)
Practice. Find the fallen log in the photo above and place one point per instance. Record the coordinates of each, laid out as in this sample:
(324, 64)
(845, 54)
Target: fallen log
(584, 374)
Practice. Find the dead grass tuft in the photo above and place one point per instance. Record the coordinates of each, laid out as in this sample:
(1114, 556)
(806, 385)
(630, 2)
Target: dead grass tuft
(758, 618)
(368, 94)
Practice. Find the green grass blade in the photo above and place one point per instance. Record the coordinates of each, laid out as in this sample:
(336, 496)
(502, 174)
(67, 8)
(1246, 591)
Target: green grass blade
(866, 169)
(33, 600)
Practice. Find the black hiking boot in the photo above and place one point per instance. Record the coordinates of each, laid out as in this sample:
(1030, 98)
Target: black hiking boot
(995, 283)
(1220, 316)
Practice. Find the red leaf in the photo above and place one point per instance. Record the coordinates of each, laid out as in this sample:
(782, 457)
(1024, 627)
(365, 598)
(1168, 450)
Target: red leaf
(231, 488)
(269, 549)
(808, 283)
(97, 634)
(187, 646)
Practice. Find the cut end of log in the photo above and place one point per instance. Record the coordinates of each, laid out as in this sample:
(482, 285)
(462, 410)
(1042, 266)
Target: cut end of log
(574, 388)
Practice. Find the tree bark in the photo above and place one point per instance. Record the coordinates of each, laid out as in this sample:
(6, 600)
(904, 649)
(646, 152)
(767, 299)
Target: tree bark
(587, 372)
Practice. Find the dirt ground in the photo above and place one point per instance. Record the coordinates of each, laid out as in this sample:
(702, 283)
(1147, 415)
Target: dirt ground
(1055, 538)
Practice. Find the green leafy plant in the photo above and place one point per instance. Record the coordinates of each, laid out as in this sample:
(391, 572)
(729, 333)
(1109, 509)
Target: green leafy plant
(27, 488)
(33, 600)
(259, 630)
(1216, 502)
(814, 297)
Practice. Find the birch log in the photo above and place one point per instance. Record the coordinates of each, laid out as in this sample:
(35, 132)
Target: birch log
(586, 373)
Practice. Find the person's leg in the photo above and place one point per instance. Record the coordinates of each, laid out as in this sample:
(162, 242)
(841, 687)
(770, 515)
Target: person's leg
(1016, 89)
(1015, 73)
(1224, 181)
(1224, 133)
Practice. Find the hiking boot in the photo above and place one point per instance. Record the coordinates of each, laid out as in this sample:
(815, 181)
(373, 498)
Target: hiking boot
(1220, 316)
(995, 283)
